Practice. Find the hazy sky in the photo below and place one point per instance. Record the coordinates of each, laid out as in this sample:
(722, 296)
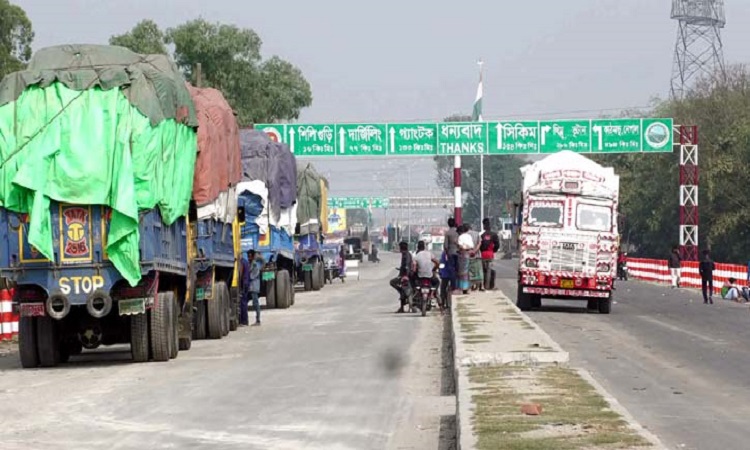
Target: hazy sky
(408, 60)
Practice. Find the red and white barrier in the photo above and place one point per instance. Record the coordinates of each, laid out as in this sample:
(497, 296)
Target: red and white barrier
(8, 320)
(657, 270)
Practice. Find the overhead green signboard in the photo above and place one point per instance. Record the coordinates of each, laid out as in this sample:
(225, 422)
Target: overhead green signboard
(475, 138)
(358, 202)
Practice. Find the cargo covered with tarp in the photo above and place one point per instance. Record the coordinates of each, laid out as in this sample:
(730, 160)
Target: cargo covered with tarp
(219, 166)
(273, 164)
(97, 125)
(311, 195)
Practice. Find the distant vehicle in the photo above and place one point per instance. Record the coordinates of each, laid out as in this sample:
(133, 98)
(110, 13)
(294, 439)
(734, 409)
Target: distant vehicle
(353, 248)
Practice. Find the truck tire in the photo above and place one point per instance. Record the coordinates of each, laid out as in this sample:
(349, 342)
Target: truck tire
(271, 293)
(308, 281)
(226, 303)
(605, 306)
(161, 327)
(186, 330)
(48, 344)
(234, 309)
(27, 348)
(536, 301)
(592, 304)
(174, 315)
(139, 337)
(322, 275)
(282, 290)
(215, 314)
(523, 301)
(316, 276)
(199, 324)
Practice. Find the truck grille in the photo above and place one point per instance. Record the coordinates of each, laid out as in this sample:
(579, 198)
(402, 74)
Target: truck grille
(579, 259)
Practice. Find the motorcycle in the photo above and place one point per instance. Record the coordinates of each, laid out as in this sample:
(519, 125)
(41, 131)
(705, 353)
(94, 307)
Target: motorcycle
(422, 299)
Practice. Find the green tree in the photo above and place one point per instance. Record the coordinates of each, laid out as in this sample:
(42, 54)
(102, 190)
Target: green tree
(260, 91)
(145, 38)
(16, 36)
(231, 61)
(502, 181)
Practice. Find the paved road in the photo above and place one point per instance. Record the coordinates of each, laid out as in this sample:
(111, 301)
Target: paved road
(680, 367)
(337, 371)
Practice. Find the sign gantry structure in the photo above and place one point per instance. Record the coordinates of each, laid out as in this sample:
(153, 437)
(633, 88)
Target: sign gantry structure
(475, 138)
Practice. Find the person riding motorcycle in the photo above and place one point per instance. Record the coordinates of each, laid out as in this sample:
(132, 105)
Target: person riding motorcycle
(426, 267)
(404, 271)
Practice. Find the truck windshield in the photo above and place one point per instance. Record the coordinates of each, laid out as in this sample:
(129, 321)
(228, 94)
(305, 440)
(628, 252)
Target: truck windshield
(594, 218)
(546, 215)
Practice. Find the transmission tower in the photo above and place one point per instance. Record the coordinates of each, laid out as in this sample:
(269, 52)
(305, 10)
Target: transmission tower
(698, 51)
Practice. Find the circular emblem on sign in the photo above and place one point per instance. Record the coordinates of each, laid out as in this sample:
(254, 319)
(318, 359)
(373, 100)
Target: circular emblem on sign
(75, 232)
(657, 135)
(273, 133)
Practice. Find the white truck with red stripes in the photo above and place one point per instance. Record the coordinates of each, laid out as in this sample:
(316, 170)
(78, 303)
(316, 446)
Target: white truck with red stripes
(569, 237)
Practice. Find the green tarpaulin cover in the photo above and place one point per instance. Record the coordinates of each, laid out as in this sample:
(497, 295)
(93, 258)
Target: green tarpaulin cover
(308, 196)
(97, 125)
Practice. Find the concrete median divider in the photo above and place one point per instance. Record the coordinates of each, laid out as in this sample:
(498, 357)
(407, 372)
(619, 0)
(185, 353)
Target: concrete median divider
(506, 365)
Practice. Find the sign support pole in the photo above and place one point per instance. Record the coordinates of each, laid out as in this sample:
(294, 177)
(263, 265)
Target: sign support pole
(457, 188)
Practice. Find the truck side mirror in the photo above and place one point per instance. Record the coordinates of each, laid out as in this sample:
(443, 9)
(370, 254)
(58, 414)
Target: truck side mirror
(241, 214)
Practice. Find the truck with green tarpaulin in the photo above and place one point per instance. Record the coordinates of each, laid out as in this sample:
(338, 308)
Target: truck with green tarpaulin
(107, 210)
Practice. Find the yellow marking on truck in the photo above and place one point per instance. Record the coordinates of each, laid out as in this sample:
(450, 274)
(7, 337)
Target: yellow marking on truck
(80, 284)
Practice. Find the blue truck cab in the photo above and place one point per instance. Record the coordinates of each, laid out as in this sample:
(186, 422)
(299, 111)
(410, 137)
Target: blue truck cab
(80, 300)
(275, 247)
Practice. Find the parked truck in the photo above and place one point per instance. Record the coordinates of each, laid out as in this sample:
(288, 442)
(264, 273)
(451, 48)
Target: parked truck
(568, 232)
(98, 150)
(266, 200)
(213, 253)
(312, 217)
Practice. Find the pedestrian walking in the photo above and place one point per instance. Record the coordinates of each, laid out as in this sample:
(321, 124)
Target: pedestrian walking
(706, 270)
(675, 261)
(451, 248)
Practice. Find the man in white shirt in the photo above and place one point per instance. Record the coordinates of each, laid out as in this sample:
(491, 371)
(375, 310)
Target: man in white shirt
(426, 263)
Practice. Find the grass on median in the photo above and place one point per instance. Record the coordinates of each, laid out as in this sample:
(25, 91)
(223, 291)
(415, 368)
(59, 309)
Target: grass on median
(574, 415)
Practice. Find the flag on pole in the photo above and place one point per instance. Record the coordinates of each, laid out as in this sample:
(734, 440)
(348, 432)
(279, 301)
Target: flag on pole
(476, 114)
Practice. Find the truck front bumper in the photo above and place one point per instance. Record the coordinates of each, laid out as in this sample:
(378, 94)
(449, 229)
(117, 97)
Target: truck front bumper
(557, 292)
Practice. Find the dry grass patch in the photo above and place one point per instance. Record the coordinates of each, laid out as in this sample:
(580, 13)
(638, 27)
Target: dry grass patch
(574, 415)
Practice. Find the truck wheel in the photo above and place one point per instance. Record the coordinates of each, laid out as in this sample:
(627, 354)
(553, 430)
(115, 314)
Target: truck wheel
(322, 275)
(161, 327)
(523, 301)
(199, 330)
(234, 309)
(271, 293)
(47, 342)
(27, 348)
(536, 301)
(315, 274)
(225, 307)
(605, 306)
(215, 310)
(174, 315)
(282, 290)
(139, 337)
(308, 281)
(186, 330)
(592, 304)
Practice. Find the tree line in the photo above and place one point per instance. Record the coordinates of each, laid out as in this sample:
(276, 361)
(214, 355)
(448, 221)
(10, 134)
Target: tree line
(260, 90)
